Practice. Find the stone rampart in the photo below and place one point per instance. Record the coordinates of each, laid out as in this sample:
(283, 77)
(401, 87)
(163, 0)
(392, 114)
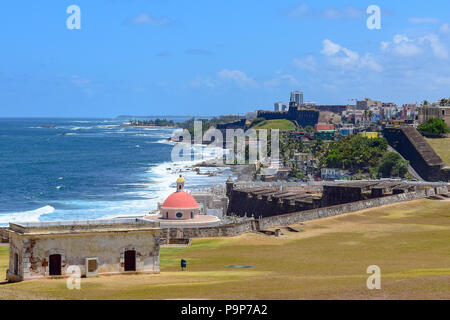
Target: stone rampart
(4, 237)
(254, 225)
(414, 148)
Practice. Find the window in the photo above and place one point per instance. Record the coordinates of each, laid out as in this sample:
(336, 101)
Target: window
(192, 215)
(167, 215)
(179, 215)
(91, 267)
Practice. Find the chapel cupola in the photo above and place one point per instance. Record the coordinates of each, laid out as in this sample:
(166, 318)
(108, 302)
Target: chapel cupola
(180, 184)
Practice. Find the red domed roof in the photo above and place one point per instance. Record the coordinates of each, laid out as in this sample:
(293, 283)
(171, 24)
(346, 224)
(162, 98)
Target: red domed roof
(180, 200)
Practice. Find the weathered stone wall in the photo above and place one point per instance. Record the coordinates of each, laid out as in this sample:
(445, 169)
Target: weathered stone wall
(228, 230)
(414, 148)
(4, 238)
(243, 204)
(34, 251)
(293, 218)
(445, 174)
(333, 195)
(289, 219)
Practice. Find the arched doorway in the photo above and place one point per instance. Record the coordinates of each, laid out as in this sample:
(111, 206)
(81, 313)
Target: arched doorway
(54, 265)
(130, 260)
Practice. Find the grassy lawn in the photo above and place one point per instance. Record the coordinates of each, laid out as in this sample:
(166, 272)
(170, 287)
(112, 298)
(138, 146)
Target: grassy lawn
(4, 261)
(442, 148)
(283, 125)
(410, 242)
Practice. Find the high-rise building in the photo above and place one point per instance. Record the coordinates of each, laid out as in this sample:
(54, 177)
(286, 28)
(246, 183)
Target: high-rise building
(297, 97)
(278, 106)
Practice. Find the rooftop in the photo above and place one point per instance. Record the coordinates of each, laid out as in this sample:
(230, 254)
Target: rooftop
(82, 226)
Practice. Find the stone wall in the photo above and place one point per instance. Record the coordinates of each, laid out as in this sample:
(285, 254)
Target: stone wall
(228, 230)
(294, 218)
(32, 252)
(289, 219)
(243, 203)
(4, 238)
(304, 117)
(414, 148)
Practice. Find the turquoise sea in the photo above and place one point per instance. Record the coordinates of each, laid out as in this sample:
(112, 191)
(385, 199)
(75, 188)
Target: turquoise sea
(69, 169)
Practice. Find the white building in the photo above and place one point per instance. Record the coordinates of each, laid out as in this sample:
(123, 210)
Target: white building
(89, 248)
(297, 97)
(278, 106)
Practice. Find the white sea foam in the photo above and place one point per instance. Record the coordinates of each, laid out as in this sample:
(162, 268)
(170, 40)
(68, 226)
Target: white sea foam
(80, 128)
(26, 216)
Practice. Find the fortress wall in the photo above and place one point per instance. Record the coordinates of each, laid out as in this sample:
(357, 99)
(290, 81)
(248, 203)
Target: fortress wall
(414, 148)
(4, 237)
(228, 230)
(241, 204)
(304, 117)
(294, 218)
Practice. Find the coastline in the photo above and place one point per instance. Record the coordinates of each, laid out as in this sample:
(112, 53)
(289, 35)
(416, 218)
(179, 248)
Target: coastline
(241, 172)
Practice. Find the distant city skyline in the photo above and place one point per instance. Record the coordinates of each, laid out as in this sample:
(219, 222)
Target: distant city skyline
(209, 58)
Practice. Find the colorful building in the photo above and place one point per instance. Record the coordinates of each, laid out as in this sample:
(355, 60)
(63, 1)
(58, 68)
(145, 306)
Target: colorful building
(370, 135)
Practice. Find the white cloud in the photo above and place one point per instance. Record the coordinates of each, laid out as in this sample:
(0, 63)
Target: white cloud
(144, 18)
(369, 62)
(330, 48)
(282, 79)
(309, 63)
(438, 48)
(402, 46)
(421, 20)
(200, 82)
(238, 77)
(348, 59)
(445, 28)
(303, 11)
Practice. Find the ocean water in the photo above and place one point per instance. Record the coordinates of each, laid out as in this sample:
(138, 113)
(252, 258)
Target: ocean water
(70, 169)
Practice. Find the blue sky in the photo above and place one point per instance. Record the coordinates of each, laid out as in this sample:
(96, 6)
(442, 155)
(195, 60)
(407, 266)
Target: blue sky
(209, 57)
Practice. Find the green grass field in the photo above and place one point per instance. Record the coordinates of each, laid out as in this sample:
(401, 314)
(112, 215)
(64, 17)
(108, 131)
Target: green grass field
(410, 242)
(281, 124)
(442, 148)
(4, 261)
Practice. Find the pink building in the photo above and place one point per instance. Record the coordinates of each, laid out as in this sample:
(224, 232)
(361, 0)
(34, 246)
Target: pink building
(181, 210)
(180, 205)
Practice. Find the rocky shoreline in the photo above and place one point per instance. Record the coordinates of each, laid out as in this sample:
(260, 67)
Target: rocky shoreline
(244, 172)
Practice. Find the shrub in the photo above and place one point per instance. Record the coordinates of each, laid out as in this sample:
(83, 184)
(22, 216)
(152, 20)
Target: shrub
(434, 126)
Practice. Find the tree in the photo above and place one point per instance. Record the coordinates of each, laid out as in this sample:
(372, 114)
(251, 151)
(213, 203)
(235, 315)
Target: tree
(434, 126)
(355, 153)
(393, 165)
(309, 129)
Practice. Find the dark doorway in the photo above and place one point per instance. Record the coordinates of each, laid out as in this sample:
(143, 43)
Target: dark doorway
(16, 264)
(130, 260)
(55, 264)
